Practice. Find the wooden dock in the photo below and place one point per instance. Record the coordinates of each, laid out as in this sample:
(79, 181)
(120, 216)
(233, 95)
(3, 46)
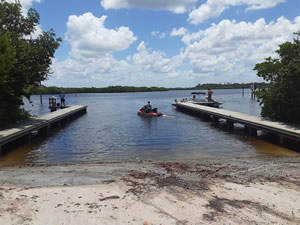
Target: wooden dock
(251, 123)
(38, 125)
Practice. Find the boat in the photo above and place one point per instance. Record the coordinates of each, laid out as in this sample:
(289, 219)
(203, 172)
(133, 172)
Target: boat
(198, 93)
(212, 103)
(203, 101)
(153, 112)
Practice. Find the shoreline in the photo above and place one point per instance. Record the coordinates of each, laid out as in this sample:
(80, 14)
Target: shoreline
(236, 191)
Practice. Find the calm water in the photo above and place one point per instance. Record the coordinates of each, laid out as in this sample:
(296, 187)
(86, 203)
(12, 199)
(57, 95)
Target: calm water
(112, 131)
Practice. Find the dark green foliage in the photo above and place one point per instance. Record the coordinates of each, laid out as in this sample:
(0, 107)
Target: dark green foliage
(24, 61)
(119, 89)
(110, 89)
(281, 100)
(228, 86)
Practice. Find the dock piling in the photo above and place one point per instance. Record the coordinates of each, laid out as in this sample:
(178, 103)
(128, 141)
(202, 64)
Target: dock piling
(230, 125)
(21, 133)
(253, 132)
(281, 140)
(251, 123)
(215, 120)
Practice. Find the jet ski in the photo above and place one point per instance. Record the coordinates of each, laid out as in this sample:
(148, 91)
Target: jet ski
(153, 112)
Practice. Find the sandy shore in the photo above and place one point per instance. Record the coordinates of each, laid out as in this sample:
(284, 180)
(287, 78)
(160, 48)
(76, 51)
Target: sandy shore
(239, 191)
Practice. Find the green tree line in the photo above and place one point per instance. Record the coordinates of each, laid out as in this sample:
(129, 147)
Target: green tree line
(110, 89)
(120, 89)
(259, 85)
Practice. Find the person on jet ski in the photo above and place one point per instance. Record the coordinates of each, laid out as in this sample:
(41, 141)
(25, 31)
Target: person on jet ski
(148, 107)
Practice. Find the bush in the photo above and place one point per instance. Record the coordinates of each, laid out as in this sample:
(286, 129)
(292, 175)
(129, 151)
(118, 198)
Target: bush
(281, 100)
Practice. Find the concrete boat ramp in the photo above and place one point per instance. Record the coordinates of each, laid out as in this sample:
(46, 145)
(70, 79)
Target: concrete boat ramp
(251, 123)
(22, 132)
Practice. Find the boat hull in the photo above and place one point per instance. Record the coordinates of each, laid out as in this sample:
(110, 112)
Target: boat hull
(211, 104)
(150, 114)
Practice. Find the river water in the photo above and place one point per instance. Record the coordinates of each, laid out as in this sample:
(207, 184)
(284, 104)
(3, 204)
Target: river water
(112, 131)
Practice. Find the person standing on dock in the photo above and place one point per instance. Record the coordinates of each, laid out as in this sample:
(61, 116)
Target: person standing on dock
(209, 94)
(62, 99)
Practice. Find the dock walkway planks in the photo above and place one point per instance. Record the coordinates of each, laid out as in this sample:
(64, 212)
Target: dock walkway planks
(255, 122)
(35, 124)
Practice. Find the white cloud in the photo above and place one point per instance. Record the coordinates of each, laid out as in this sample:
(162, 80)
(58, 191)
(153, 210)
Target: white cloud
(258, 4)
(175, 6)
(88, 72)
(178, 32)
(25, 3)
(214, 8)
(229, 50)
(155, 61)
(90, 38)
(91, 62)
(145, 67)
(154, 67)
(158, 34)
(224, 52)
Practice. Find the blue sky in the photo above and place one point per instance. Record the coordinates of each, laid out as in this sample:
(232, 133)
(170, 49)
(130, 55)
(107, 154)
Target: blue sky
(170, 43)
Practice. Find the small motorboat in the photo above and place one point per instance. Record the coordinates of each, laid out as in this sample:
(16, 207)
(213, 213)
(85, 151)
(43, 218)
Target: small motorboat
(198, 93)
(203, 101)
(153, 112)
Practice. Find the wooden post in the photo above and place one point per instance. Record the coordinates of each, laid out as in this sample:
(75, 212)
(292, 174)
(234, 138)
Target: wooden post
(205, 116)
(246, 129)
(29, 138)
(253, 88)
(280, 140)
(215, 120)
(68, 119)
(253, 132)
(41, 98)
(230, 124)
(41, 131)
(243, 91)
(58, 123)
(44, 130)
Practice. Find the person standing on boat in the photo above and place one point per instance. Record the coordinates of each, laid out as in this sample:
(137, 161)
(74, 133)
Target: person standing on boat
(209, 94)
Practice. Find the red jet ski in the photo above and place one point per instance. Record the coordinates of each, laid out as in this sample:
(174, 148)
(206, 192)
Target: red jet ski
(153, 112)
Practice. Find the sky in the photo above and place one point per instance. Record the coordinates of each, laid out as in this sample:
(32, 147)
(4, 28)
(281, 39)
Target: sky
(165, 43)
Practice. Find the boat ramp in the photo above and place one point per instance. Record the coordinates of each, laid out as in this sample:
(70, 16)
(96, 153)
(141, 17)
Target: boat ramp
(22, 132)
(251, 123)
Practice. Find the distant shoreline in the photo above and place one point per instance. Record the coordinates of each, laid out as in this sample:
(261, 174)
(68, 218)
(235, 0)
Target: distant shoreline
(128, 89)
